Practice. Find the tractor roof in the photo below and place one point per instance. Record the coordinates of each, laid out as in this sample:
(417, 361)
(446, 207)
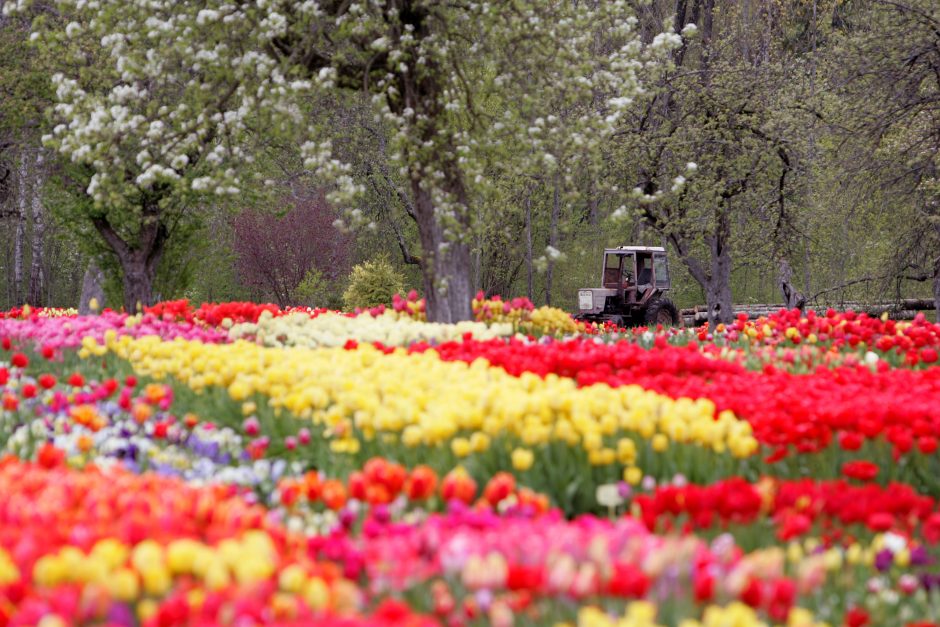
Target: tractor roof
(650, 249)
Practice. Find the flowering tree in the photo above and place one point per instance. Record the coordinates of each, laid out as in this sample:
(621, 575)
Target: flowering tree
(155, 122)
(275, 253)
(166, 122)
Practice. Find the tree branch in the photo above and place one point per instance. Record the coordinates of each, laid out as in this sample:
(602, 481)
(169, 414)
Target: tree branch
(111, 236)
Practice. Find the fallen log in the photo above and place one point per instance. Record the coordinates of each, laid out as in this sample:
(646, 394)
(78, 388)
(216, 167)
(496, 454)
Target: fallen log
(700, 317)
(765, 309)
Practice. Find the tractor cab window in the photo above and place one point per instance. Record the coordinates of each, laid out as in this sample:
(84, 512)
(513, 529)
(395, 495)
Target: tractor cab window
(662, 271)
(611, 271)
(645, 269)
(627, 278)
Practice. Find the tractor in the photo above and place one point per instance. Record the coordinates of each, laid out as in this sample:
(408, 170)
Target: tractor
(634, 282)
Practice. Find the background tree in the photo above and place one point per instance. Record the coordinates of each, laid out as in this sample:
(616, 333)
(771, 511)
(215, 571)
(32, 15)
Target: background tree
(892, 86)
(275, 253)
(38, 262)
(155, 123)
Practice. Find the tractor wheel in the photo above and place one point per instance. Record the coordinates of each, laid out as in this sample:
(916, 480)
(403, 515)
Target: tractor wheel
(620, 321)
(661, 311)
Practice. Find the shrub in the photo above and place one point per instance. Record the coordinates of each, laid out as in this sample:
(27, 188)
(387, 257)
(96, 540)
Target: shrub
(316, 290)
(372, 283)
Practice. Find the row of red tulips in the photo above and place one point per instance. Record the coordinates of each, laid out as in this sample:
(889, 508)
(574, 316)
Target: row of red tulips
(795, 507)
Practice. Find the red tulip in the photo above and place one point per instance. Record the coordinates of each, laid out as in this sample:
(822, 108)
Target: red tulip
(10, 402)
(76, 380)
(628, 581)
(860, 470)
(49, 456)
(880, 521)
(378, 494)
(704, 587)
(927, 444)
(458, 485)
(358, 484)
(856, 617)
(290, 491)
(794, 526)
(751, 594)
(501, 485)
(421, 484)
(333, 494)
(931, 528)
(850, 440)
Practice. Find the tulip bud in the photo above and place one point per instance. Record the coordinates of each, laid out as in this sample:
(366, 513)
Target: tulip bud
(251, 426)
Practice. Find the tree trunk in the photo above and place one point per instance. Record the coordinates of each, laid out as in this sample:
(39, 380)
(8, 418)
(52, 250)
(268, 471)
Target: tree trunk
(448, 263)
(138, 261)
(791, 296)
(137, 280)
(36, 279)
(528, 244)
(477, 255)
(718, 286)
(936, 286)
(552, 241)
(807, 266)
(19, 237)
(593, 204)
(718, 291)
(92, 288)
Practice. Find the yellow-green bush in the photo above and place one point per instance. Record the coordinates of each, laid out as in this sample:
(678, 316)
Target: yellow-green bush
(373, 283)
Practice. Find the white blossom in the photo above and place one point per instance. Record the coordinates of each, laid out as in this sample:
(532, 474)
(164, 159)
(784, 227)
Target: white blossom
(206, 15)
(201, 184)
(666, 41)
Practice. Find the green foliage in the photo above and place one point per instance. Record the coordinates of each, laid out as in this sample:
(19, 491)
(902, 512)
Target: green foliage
(312, 290)
(215, 277)
(25, 88)
(372, 283)
(315, 290)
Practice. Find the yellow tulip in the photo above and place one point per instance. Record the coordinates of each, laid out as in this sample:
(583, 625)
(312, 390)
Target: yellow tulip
(522, 459)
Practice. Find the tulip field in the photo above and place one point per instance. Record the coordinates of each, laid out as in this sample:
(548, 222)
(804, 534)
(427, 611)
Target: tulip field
(243, 464)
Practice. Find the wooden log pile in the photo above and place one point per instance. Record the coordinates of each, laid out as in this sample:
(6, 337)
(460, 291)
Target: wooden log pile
(904, 309)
